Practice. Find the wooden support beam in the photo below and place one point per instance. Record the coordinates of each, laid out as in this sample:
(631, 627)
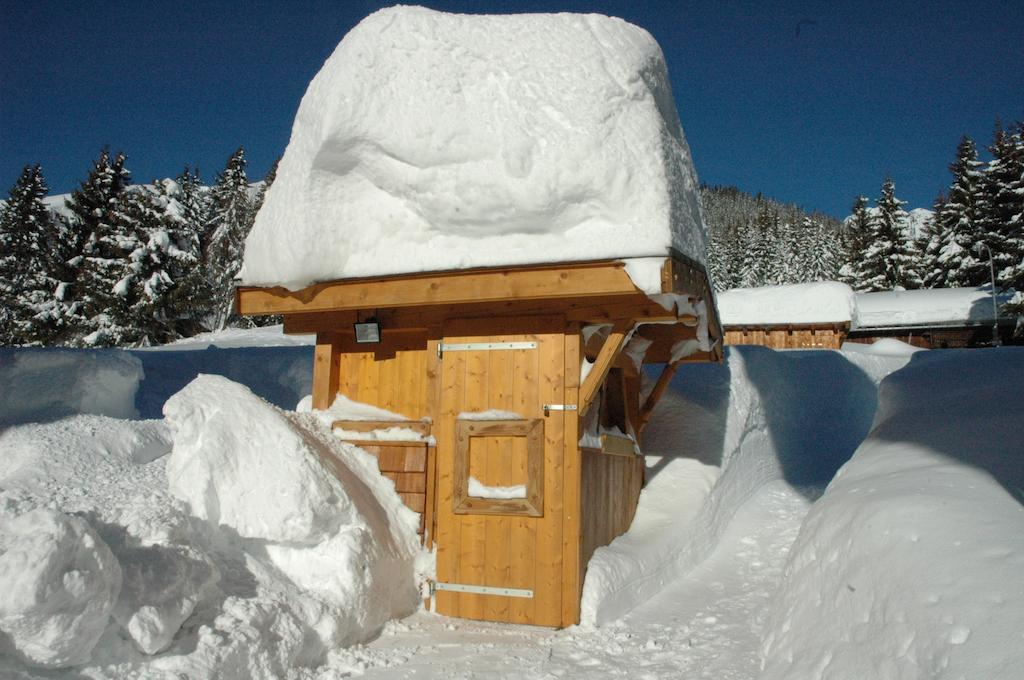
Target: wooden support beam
(655, 394)
(326, 365)
(539, 282)
(605, 358)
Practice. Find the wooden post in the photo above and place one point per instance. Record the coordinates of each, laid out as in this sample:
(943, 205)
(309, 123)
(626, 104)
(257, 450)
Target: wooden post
(656, 393)
(572, 465)
(326, 363)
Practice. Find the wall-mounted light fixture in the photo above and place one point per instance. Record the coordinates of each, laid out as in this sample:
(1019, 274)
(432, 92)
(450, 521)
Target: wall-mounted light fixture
(367, 332)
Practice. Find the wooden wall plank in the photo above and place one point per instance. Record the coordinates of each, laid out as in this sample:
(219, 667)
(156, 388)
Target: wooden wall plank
(472, 559)
(551, 369)
(572, 583)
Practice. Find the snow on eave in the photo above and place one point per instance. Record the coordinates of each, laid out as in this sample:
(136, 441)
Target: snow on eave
(928, 308)
(823, 302)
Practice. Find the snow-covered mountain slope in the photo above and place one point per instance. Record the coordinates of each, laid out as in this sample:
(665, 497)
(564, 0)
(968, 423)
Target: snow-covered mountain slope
(135, 548)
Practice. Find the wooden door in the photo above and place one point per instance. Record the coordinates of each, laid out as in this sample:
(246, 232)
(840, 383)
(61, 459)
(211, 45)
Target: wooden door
(504, 549)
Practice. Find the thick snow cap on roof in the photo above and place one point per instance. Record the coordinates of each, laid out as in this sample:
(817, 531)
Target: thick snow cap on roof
(432, 141)
(821, 302)
(935, 306)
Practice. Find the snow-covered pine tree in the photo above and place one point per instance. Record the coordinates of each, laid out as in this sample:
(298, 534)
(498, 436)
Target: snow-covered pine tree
(189, 207)
(1002, 215)
(929, 245)
(821, 252)
(230, 219)
(962, 259)
(100, 245)
(27, 230)
(759, 243)
(855, 238)
(888, 262)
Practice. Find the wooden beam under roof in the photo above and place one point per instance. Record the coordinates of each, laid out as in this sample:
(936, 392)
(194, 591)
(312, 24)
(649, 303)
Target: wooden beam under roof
(588, 280)
(541, 282)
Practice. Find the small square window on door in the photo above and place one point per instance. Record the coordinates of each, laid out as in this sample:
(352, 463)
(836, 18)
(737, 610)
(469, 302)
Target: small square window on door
(499, 467)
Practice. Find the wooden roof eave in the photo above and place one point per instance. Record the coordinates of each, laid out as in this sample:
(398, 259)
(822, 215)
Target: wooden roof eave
(586, 292)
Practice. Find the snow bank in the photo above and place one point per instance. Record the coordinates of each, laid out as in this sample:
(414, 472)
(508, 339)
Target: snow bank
(45, 384)
(718, 436)
(821, 302)
(432, 141)
(926, 307)
(60, 583)
(318, 509)
(910, 565)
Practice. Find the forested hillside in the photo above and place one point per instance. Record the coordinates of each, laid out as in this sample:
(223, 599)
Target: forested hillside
(122, 264)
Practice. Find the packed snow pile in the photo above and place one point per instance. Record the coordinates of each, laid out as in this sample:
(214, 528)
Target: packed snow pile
(60, 585)
(258, 548)
(45, 384)
(820, 302)
(910, 564)
(432, 141)
(318, 508)
(723, 432)
(934, 306)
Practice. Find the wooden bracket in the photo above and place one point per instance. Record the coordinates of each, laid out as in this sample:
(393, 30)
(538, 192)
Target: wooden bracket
(605, 358)
(656, 393)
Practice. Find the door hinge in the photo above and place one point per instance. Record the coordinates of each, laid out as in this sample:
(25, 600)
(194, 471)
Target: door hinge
(558, 407)
(480, 590)
(443, 347)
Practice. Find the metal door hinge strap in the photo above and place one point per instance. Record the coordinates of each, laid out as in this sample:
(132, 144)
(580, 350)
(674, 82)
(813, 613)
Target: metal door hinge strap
(443, 347)
(482, 590)
(559, 407)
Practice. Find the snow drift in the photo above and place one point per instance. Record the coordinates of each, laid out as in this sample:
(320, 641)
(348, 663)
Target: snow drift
(318, 509)
(910, 564)
(432, 141)
(761, 417)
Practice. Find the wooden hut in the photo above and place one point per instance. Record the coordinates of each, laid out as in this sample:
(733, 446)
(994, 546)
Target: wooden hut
(455, 347)
(797, 316)
(450, 219)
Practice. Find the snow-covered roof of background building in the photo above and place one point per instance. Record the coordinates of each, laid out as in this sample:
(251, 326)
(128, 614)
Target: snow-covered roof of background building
(802, 303)
(432, 141)
(934, 306)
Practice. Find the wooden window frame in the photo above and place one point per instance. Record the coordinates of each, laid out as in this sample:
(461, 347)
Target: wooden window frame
(533, 431)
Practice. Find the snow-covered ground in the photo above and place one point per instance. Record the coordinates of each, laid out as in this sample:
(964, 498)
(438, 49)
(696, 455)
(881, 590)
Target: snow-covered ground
(133, 543)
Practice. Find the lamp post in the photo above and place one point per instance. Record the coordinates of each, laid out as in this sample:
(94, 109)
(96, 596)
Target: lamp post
(995, 306)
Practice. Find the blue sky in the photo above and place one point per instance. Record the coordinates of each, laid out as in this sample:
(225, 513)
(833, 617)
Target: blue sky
(807, 102)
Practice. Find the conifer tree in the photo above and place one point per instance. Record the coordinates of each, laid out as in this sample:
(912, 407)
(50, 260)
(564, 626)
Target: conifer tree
(888, 262)
(188, 208)
(101, 235)
(961, 258)
(1002, 219)
(230, 219)
(27, 314)
(855, 240)
(929, 245)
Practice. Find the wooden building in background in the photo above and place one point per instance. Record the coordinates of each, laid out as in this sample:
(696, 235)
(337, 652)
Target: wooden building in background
(517, 378)
(823, 335)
